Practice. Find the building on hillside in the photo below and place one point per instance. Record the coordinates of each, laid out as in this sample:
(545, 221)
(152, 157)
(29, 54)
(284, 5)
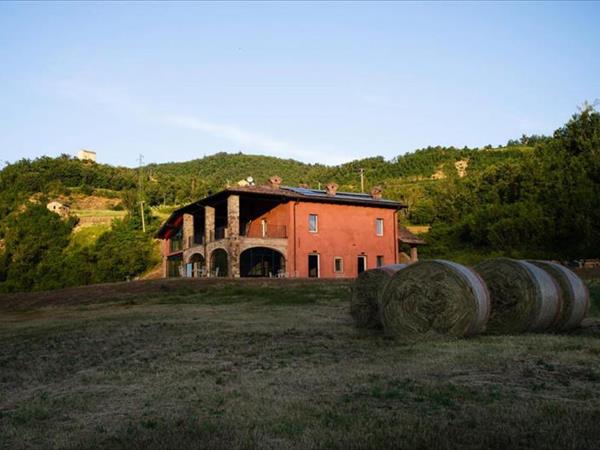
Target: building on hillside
(408, 243)
(86, 155)
(59, 208)
(281, 231)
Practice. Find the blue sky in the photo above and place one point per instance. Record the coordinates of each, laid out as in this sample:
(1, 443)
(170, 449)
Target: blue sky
(318, 82)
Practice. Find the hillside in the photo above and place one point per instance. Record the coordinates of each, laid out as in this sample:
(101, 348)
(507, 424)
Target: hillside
(95, 190)
(177, 183)
(212, 173)
(168, 364)
(538, 197)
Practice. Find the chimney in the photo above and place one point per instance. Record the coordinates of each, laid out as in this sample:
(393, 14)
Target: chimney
(331, 188)
(376, 192)
(275, 182)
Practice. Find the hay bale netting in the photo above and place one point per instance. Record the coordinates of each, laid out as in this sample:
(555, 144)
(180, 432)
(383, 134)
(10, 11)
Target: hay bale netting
(367, 289)
(575, 295)
(524, 297)
(433, 298)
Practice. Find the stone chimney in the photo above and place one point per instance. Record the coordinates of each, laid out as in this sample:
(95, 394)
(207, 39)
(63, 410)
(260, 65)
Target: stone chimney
(275, 182)
(331, 188)
(376, 192)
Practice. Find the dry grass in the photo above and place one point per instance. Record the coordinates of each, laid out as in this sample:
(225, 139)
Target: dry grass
(275, 364)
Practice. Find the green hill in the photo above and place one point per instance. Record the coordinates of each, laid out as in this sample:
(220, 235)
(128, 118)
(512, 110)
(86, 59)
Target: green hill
(179, 183)
(538, 197)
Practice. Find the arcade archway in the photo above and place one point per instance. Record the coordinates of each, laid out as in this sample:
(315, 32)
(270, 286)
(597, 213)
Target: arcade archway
(262, 262)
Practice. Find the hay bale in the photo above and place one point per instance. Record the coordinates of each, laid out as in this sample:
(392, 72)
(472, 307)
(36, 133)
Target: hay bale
(365, 294)
(524, 297)
(433, 298)
(575, 295)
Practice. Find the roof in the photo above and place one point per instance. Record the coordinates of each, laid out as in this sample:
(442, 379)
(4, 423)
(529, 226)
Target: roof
(406, 237)
(306, 194)
(285, 193)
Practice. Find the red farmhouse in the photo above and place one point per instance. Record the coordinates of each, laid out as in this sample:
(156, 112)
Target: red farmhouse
(281, 231)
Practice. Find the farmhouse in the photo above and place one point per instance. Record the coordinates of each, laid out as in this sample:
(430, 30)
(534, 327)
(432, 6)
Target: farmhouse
(281, 231)
(59, 208)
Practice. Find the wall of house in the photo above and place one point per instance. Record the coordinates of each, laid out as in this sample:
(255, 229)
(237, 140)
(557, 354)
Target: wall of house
(344, 231)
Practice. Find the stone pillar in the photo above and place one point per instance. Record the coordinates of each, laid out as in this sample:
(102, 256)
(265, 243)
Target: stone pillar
(233, 216)
(234, 257)
(413, 253)
(188, 230)
(233, 233)
(209, 223)
(165, 250)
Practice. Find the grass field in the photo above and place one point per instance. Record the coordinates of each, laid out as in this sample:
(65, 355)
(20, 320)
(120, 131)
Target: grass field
(99, 213)
(85, 236)
(276, 364)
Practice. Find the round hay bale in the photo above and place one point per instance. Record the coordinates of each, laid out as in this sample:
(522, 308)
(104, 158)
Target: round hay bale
(575, 295)
(366, 292)
(433, 298)
(524, 297)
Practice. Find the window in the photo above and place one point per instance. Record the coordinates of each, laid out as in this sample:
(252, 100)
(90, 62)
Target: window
(312, 223)
(379, 260)
(379, 227)
(174, 268)
(338, 264)
(176, 242)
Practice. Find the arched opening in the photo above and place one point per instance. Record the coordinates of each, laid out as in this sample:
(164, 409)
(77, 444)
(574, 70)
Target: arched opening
(219, 263)
(262, 262)
(196, 266)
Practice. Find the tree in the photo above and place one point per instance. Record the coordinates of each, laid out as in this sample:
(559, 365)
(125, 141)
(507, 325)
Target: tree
(32, 257)
(123, 253)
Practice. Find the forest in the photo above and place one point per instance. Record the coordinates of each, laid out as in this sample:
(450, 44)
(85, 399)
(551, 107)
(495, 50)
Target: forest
(537, 196)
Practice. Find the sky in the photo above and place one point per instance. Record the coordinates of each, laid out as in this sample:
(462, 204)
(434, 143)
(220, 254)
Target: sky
(318, 82)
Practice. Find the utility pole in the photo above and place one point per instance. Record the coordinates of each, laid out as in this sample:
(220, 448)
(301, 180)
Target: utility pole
(362, 179)
(141, 191)
(143, 221)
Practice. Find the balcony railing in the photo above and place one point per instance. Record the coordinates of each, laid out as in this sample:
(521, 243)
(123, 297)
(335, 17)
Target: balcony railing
(269, 231)
(193, 241)
(217, 234)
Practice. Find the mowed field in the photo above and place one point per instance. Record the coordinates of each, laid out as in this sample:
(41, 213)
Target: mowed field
(277, 364)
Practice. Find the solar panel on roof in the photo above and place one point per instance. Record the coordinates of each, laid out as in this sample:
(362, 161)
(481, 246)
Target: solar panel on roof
(303, 191)
(339, 195)
(351, 195)
(320, 192)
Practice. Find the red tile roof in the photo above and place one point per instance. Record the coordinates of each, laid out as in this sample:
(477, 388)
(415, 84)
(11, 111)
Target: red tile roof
(406, 237)
(285, 192)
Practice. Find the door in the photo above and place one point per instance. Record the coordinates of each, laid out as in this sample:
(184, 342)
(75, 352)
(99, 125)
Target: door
(313, 266)
(362, 264)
